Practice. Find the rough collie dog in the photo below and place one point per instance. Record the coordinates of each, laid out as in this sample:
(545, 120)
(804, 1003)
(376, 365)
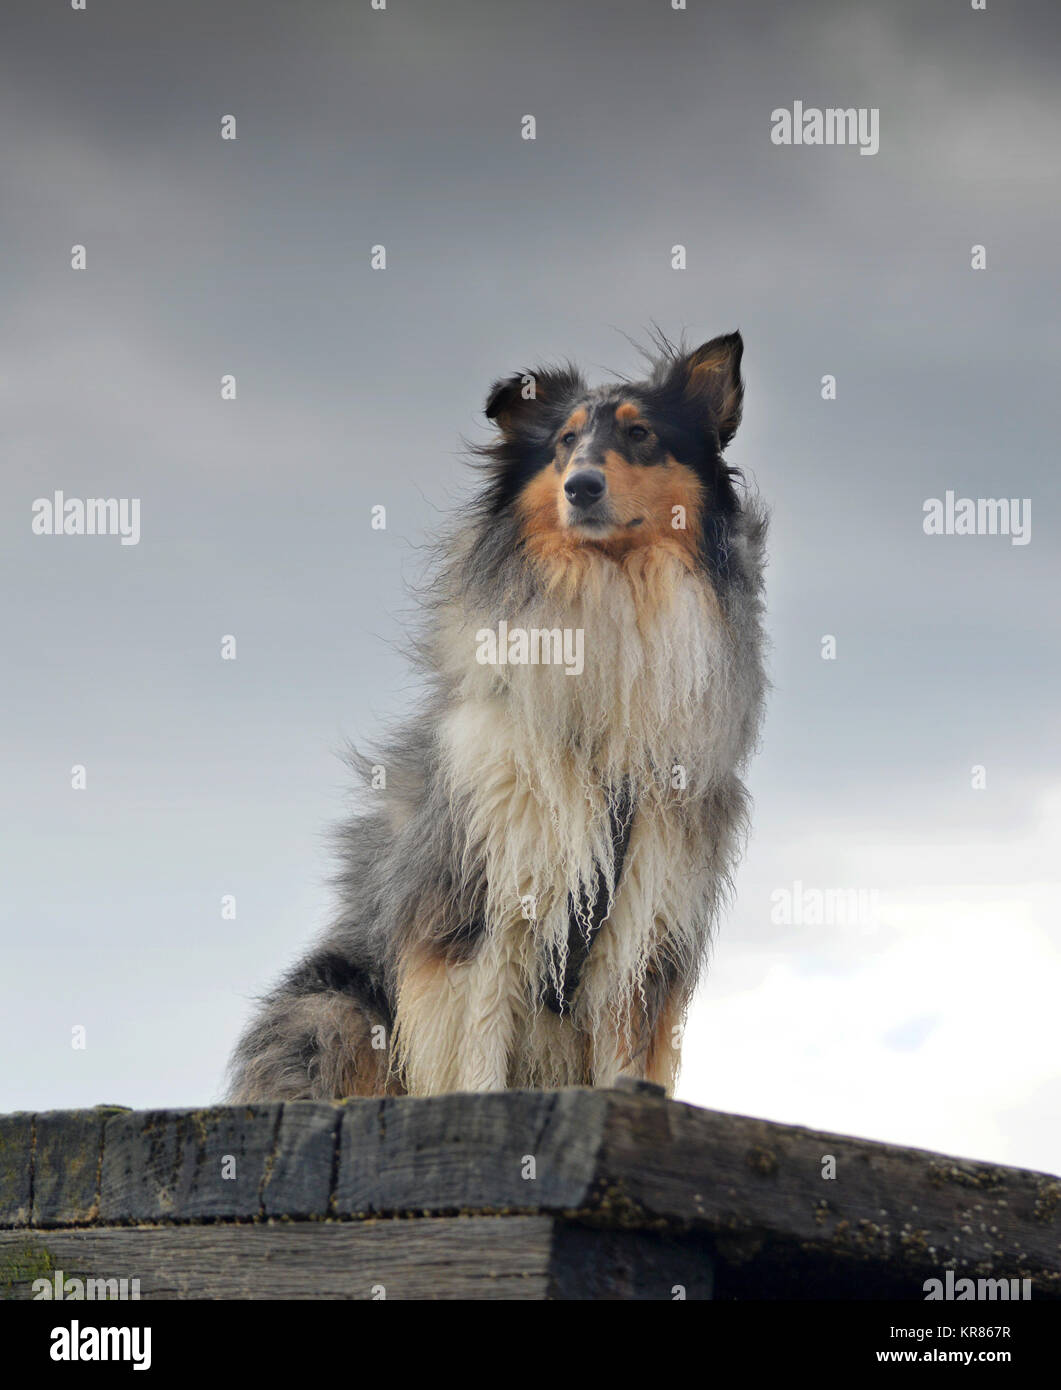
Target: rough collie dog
(531, 899)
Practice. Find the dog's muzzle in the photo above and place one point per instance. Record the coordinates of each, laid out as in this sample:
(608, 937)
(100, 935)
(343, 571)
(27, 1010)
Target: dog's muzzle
(585, 488)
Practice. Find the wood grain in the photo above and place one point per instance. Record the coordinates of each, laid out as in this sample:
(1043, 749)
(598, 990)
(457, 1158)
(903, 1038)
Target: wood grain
(769, 1207)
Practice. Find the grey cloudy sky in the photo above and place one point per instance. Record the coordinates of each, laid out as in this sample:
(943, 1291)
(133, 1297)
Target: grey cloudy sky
(935, 1026)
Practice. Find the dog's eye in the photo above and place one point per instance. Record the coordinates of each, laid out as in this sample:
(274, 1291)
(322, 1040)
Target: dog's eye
(569, 438)
(638, 432)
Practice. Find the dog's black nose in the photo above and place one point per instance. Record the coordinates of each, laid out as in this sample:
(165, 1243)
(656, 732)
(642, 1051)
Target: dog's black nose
(585, 487)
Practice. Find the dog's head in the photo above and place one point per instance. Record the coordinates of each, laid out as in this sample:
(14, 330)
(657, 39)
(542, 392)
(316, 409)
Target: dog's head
(624, 466)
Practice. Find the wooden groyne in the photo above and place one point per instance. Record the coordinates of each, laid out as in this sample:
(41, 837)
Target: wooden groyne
(515, 1195)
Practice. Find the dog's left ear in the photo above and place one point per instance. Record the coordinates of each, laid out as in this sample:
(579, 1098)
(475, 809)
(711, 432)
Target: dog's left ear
(710, 378)
(527, 399)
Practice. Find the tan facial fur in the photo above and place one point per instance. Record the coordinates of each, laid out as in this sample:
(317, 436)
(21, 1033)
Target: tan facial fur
(654, 508)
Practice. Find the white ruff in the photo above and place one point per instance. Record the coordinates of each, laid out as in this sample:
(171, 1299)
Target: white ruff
(530, 754)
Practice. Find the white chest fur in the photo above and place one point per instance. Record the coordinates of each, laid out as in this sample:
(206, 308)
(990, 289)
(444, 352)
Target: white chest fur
(533, 751)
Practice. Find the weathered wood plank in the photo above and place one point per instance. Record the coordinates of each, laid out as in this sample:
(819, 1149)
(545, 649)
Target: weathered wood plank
(299, 1174)
(68, 1155)
(475, 1258)
(513, 1150)
(755, 1182)
(16, 1169)
(597, 1263)
(623, 1161)
(483, 1257)
(187, 1165)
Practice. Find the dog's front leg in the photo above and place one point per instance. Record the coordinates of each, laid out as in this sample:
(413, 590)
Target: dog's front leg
(455, 1020)
(641, 1043)
(615, 1054)
(491, 993)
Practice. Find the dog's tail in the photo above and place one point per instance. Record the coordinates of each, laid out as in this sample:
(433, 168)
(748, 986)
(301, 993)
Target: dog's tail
(323, 1034)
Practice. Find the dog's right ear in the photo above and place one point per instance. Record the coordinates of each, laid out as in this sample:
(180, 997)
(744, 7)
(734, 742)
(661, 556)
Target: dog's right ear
(532, 399)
